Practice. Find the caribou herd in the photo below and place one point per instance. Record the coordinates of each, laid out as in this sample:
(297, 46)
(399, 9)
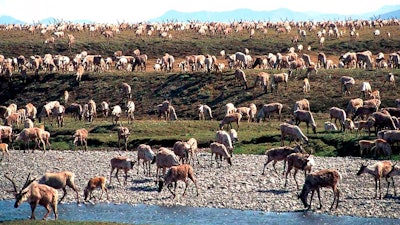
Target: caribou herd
(293, 57)
(361, 113)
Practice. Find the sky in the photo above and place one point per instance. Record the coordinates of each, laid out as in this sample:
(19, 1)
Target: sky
(138, 11)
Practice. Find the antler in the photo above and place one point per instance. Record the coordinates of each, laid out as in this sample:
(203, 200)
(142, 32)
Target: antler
(28, 181)
(12, 181)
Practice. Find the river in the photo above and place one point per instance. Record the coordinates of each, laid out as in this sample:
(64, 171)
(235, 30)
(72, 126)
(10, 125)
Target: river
(159, 215)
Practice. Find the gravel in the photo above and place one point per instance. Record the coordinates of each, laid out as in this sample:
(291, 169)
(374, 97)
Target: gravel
(240, 186)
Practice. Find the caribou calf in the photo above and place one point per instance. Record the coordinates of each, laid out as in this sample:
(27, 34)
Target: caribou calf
(95, 182)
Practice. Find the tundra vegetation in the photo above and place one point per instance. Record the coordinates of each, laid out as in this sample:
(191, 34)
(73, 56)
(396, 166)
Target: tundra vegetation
(187, 89)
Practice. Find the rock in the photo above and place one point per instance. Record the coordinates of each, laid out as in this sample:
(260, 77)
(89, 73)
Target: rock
(240, 186)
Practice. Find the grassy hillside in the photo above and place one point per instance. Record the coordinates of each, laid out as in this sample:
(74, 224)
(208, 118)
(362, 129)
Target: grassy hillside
(188, 90)
(189, 42)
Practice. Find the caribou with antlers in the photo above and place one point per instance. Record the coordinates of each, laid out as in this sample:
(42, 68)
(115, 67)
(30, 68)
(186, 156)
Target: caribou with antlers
(35, 193)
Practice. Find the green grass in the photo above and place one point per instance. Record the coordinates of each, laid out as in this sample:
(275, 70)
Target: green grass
(187, 90)
(255, 138)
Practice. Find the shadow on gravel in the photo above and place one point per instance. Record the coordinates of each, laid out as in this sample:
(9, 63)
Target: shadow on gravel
(389, 196)
(111, 187)
(146, 189)
(275, 192)
(358, 198)
(141, 181)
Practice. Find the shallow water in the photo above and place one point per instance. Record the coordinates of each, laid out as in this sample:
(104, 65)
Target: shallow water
(150, 214)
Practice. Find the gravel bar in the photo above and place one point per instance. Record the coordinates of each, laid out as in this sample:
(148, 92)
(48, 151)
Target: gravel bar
(240, 186)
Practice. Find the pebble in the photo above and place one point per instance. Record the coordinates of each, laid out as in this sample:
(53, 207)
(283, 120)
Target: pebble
(240, 186)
